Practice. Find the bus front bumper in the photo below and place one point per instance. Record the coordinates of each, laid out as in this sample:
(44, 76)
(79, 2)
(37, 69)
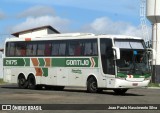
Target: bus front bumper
(120, 83)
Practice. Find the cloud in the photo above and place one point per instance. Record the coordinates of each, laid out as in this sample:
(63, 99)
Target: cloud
(104, 25)
(31, 22)
(2, 15)
(113, 6)
(37, 11)
(37, 16)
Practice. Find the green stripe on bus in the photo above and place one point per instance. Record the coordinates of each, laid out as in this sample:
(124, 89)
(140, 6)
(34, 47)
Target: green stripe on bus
(13, 62)
(41, 61)
(55, 62)
(78, 62)
(16, 61)
(27, 61)
(45, 72)
(82, 62)
(58, 62)
(96, 61)
(75, 62)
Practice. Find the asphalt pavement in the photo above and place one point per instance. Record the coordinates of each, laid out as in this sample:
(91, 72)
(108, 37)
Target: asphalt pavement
(11, 94)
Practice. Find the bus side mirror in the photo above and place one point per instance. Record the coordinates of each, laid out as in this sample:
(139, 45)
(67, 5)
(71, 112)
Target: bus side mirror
(152, 52)
(116, 52)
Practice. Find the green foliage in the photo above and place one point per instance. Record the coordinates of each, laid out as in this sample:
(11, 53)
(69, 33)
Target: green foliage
(1, 81)
(154, 85)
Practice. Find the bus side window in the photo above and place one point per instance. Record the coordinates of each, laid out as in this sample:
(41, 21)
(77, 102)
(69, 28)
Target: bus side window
(77, 51)
(7, 49)
(71, 48)
(48, 49)
(74, 48)
(23, 51)
(31, 49)
(20, 49)
(12, 49)
(55, 47)
(62, 49)
(41, 48)
(95, 48)
(88, 49)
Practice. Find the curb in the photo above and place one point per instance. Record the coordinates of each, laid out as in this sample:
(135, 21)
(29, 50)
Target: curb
(153, 87)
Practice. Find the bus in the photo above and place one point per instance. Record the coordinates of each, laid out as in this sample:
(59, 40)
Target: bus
(95, 62)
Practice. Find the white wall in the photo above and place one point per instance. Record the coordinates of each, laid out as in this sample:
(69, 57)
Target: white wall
(32, 34)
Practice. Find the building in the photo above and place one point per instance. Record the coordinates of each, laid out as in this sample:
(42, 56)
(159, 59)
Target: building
(36, 32)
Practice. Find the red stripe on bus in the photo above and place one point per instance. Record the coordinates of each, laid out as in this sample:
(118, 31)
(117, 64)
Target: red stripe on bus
(38, 71)
(35, 61)
(27, 39)
(48, 62)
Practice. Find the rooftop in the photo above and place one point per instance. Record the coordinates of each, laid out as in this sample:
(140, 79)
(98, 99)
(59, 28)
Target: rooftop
(48, 26)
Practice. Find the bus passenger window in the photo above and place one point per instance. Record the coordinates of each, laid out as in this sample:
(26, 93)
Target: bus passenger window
(23, 52)
(55, 47)
(71, 48)
(77, 50)
(88, 49)
(74, 48)
(62, 49)
(12, 49)
(20, 49)
(41, 48)
(47, 49)
(31, 49)
(95, 48)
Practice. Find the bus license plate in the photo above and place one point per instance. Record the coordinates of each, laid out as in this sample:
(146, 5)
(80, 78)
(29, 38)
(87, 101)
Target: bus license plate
(135, 84)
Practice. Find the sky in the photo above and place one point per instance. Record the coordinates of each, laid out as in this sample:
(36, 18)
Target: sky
(93, 16)
(96, 16)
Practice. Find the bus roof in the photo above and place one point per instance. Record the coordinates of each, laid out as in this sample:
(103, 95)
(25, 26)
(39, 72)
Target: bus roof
(65, 36)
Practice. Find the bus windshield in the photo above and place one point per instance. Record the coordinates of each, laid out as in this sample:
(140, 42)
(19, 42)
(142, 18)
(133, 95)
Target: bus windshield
(134, 59)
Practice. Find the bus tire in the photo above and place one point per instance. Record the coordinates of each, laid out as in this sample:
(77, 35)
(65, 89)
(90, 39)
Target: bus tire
(31, 82)
(120, 91)
(92, 85)
(22, 82)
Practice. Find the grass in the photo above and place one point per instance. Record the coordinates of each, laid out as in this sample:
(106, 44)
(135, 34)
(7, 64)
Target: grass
(154, 85)
(1, 81)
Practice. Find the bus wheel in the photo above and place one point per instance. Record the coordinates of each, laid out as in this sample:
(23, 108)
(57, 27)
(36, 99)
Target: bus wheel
(22, 83)
(31, 82)
(120, 91)
(92, 85)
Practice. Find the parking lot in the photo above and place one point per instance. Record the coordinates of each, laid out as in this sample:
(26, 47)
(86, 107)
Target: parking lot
(11, 94)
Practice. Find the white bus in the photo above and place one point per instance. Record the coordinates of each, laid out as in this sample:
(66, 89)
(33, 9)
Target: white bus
(97, 62)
